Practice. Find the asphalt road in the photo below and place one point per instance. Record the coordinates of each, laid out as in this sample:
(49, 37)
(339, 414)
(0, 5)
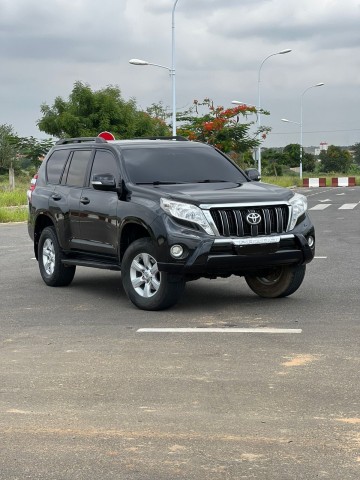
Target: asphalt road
(85, 395)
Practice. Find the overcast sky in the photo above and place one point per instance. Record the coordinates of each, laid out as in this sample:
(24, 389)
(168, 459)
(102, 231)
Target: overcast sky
(45, 46)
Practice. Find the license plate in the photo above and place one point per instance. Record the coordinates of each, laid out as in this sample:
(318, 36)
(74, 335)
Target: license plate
(256, 241)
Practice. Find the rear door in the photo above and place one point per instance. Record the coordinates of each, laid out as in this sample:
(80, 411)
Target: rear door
(66, 196)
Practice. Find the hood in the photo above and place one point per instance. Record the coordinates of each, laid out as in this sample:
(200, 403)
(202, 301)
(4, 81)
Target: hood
(218, 193)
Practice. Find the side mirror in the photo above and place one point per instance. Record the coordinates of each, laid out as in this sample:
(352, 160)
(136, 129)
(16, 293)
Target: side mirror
(103, 181)
(253, 174)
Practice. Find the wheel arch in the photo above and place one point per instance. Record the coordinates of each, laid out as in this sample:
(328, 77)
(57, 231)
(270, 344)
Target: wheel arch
(42, 222)
(130, 231)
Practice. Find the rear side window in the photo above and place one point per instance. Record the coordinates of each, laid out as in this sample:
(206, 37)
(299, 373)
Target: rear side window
(55, 166)
(77, 169)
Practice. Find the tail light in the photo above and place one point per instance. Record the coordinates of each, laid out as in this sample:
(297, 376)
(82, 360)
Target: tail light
(32, 187)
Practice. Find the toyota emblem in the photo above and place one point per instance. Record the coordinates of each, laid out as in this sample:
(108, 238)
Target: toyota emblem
(253, 218)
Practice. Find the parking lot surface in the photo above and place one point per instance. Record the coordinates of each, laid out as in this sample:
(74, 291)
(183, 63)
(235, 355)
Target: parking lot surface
(91, 387)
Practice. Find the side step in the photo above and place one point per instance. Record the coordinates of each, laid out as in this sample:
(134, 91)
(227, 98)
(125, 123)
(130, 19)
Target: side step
(83, 262)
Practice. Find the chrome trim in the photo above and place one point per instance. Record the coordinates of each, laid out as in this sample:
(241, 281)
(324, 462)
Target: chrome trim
(253, 218)
(208, 206)
(254, 240)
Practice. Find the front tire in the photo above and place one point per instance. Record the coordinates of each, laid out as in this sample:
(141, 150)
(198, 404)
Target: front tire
(147, 287)
(53, 271)
(277, 282)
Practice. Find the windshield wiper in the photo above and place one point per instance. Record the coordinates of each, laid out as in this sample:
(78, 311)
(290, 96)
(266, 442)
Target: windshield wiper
(209, 180)
(160, 182)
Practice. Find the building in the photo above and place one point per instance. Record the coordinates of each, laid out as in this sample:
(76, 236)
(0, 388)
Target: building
(322, 148)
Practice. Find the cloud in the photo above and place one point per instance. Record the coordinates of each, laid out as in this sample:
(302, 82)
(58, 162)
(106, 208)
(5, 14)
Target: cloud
(46, 46)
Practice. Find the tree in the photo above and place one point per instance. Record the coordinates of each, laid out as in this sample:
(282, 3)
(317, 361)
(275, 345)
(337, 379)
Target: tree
(8, 151)
(33, 149)
(86, 113)
(273, 161)
(220, 127)
(157, 110)
(356, 150)
(292, 155)
(309, 162)
(334, 159)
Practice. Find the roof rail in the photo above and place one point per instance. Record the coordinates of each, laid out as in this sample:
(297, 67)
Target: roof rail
(64, 141)
(179, 138)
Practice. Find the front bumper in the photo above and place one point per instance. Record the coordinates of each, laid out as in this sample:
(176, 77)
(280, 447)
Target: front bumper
(240, 256)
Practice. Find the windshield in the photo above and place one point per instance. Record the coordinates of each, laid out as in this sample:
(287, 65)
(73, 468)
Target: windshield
(179, 165)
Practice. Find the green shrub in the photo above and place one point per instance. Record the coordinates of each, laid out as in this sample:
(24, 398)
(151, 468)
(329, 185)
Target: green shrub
(14, 198)
(285, 181)
(13, 214)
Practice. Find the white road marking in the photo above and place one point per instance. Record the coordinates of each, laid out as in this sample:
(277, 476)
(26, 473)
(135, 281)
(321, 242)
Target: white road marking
(321, 206)
(327, 200)
(320, 257)
(219, 330)
(320, 191)
(17, 245)
(348, 206)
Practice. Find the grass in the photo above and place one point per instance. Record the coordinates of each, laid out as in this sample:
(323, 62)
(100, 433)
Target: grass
(13, 214)
(284, 181)
(291, 181)
(12, 199)
(13, 204)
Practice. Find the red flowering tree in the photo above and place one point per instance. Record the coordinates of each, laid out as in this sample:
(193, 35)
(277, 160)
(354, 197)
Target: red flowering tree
(221, 127)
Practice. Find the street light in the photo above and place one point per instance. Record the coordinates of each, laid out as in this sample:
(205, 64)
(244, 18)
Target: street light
(136, 61)
(237, 102)
(301, 123)
(282, 52)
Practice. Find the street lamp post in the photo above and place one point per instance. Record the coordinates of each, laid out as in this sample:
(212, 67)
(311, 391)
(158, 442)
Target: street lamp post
(301, 125)
(237, 102)
(136, 61)
(282, 52)
(301, 142)
(173, 69)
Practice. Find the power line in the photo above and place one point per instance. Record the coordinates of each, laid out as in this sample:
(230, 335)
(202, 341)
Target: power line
(315, 131)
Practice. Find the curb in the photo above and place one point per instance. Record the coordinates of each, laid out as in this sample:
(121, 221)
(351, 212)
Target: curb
(343, 182)
(335, 182)
(314, 182)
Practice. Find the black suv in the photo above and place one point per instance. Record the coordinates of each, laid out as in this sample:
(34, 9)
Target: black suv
(164, 211)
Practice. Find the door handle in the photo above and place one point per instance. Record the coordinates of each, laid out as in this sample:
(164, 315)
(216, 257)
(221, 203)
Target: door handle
(56, 197)
(84, 200)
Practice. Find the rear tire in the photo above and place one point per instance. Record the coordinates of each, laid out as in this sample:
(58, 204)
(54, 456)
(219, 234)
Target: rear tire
(277, 282)
(146, 287)
(53, 271)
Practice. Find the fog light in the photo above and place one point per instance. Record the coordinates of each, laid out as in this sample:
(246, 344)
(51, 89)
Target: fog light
(176, 251)
(311, 241)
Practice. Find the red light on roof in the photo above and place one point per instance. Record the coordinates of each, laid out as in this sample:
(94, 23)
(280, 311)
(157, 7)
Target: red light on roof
(106, 136)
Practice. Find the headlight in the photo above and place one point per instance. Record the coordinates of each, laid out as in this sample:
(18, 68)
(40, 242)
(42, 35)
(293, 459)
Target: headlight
(187, 212)
(299, 207)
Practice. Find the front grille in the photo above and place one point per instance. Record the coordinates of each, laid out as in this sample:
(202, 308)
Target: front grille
(232, 222)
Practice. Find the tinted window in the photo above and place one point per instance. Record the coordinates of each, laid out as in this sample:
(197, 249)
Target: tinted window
(105, 162)
(77, 169)
(55, 166)
(176, 164)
